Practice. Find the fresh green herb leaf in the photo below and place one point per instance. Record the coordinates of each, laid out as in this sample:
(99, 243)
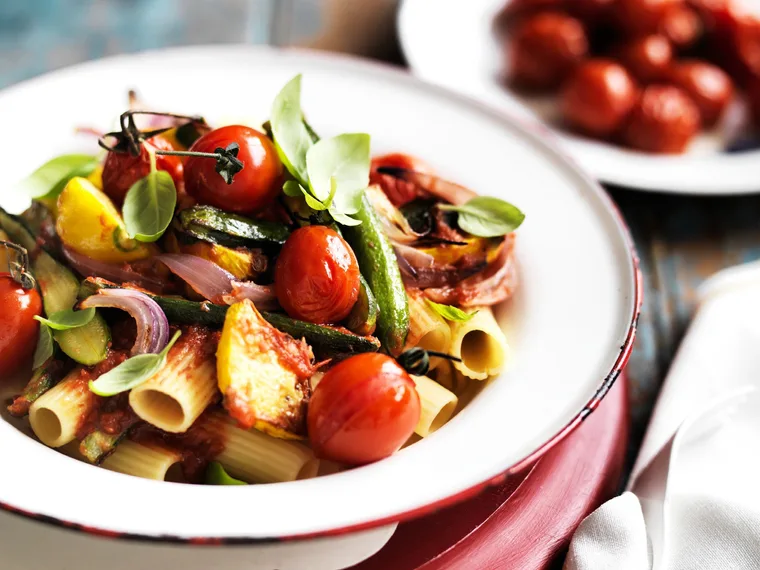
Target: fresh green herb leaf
(44, 348)
(485, 216)
(132, 372)
(49, 179)
(291, 138)
(149, 206)
(216, 475)
(450, 313)
(346, 159)
(67, 319)
(344, 220)
(293, 189)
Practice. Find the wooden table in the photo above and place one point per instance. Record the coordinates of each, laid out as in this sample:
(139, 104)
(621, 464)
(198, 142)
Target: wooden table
(681, 240)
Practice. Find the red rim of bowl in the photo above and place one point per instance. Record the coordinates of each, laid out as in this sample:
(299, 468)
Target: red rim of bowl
(540, 135)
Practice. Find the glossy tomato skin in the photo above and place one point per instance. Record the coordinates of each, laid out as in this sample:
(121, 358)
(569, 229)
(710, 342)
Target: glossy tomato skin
(121, 169)
(708, 85)
(363, 410)
(19, 330)
(317, 276)
(664, 121)
(647, 58)
(253, 188)
(399, 192)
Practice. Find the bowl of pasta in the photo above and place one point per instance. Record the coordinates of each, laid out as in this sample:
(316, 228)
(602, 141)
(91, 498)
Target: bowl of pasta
(358, 296)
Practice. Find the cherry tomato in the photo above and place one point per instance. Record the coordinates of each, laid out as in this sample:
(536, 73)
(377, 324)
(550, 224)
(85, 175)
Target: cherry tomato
(640, 17)
(648, 58)
(664, 121)
(399, 192)
(121, 169)
(316, 276)
(18, 333)
(682, 26)
(545, 49)
(598, 97)
(363, 410)
(252, 188)
(754, 100)
(708, 85)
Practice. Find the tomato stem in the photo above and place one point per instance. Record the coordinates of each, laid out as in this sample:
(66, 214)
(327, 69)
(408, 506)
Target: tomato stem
(18, 264)
(417, 360)
(227, 162)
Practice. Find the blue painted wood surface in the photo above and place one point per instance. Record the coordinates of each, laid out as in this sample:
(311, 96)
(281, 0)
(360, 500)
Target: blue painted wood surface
(681, 240)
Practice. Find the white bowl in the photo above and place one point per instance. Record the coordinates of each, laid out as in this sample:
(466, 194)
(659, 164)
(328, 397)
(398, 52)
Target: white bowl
(571, 325)
(452, 43)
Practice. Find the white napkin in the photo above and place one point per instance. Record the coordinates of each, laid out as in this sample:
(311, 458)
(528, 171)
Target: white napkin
(694, 498)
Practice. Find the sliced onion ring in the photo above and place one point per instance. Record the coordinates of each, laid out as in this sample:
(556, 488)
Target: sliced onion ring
(88, 267)
(263, 296)
(152, 324)
(204, 276)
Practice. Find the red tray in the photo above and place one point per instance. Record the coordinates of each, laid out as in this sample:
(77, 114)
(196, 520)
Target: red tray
(527, 522)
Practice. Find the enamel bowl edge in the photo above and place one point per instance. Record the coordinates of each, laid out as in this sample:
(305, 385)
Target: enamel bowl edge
(571, 324)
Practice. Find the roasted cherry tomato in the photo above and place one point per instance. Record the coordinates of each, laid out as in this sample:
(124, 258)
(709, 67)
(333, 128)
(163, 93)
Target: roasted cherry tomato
(252, 188)
(19, 330)
(545, 49)
(708, 85)
(682, 26)
(647, 58)
(363, 410)
(399, 192)
(640, 17)
(316, 276)
(121, 169)
(664, 120)
(598, 97)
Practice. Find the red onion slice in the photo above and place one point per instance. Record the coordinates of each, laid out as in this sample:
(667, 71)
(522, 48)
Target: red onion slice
(438, 187)
(395, 225)
(263, 296)
(88, 267)
(204, 276)
(152, 324)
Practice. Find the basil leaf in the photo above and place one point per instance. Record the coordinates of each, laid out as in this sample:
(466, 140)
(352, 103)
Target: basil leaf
(346, 159)
(49, 179)
(149, 206)
(450, 313)
(132, 372)
(312, 202)
(216, 475)
(44, 348)
(293, 189)
(485, 216)
(68, 319)
(344, 220)
(291, 138)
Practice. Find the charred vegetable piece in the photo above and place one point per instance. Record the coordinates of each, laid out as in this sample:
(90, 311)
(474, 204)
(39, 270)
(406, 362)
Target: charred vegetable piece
(231, 230)
(325, 341)
(263, 374)
(242, 262)
(90, 224)
(88, 344)
(98, 445)
(44, 378)
(363, 317)
(40, 221)
(378, 263)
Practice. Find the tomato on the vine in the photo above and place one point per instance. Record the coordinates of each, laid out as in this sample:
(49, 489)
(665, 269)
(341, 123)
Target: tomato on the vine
(252, 188)
(363, 410)
(19, 330)
(316, 276)
(121, 169)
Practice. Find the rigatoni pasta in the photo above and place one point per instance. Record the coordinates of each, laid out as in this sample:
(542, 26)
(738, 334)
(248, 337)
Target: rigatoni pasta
(437, 405)
(146, 461)
(481, 345)
(427, 329)
(57, 415)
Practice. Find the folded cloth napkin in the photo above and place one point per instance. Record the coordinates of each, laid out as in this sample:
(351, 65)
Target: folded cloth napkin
(694, 496)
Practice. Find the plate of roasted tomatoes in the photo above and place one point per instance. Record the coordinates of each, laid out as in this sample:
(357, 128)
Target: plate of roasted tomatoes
(322, 297)
(659, 95)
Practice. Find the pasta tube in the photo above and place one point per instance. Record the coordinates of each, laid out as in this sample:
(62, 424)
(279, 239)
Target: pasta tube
(427, 329)
(176, 396)
(56, 416)
(481, 345)
(437, 405)
(256, 457)
(148, 462)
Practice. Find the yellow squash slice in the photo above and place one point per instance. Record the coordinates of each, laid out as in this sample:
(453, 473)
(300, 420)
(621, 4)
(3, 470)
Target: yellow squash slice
(90, 224)
(263, 374)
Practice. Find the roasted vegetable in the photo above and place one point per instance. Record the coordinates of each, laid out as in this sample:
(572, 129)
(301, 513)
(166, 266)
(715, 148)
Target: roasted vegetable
(363, 317)
(98, 445)
(326, 341)
(89, 224)
(59, 288)
(243, 263)
(44, 378)
(379, 265)
(263, 374)
(231, 230)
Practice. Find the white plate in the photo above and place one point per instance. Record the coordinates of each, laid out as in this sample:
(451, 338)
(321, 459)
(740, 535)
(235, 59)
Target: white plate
(451, 43)
(571, 325)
